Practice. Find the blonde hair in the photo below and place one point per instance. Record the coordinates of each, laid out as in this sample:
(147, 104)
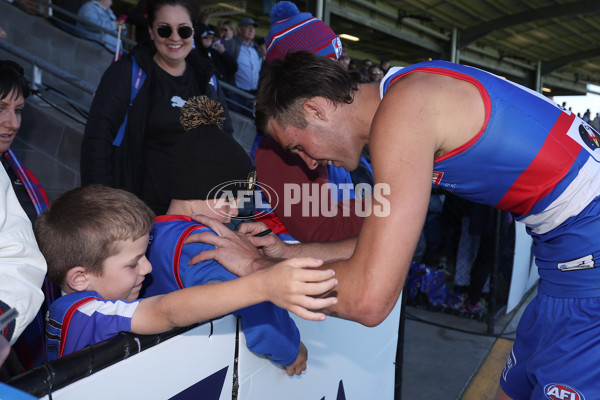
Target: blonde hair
(82, 226)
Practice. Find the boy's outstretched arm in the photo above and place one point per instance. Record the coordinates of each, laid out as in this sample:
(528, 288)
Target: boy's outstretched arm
(287, 284)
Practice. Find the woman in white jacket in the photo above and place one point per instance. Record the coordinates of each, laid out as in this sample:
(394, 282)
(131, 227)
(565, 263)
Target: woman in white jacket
(22, 266)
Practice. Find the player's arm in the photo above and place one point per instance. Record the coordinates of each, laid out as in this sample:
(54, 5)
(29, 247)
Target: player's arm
(288, 284)
(239, 251)
(421, 115)
(403, 143)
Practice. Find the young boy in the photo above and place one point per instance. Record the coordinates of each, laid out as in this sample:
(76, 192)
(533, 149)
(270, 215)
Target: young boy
(95, 238)
(208, 171)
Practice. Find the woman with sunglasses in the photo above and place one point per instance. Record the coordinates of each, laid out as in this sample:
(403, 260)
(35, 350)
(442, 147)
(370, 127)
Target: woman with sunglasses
(174, 73)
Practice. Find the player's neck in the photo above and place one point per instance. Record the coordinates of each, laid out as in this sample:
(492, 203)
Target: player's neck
(365, 104)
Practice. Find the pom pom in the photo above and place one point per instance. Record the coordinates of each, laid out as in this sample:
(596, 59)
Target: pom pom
(283, 10)
(201, 110)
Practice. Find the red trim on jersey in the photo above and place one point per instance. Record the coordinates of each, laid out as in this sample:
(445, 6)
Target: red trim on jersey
(272, 221)
(178, 248)
(487, 103)
(550, 166)
(5, 330)
(167, 218)
(64, 329)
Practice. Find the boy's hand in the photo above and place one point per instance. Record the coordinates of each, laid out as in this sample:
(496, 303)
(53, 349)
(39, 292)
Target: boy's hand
(300, 364)
(291, 284)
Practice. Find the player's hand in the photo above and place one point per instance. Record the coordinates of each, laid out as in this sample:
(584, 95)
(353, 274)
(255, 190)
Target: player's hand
(233, 250)
(270, 245)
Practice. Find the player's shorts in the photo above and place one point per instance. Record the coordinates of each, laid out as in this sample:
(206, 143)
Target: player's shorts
(557, 351)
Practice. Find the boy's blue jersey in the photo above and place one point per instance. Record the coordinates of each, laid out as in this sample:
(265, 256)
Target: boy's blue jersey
(268, 329)
(79, 319)
(536, 160)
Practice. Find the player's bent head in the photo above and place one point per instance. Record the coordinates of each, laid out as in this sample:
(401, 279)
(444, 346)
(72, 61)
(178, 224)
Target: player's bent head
(286, 84)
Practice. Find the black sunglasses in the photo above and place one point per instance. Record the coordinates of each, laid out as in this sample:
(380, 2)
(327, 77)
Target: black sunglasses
(165, 31)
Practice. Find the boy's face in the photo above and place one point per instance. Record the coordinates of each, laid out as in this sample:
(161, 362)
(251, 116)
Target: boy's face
(124, 272)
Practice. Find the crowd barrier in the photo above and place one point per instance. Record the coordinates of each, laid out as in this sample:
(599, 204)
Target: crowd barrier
(211, 362)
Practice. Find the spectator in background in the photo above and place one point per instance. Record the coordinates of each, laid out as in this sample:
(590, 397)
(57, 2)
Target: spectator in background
(220, 24)
(22, 267)
(262, 46)
(138, 22)
(276, 167)
(174, 74)
(596, 122)
(375, 74)
(215, 52)
(14, 89)
(31, 196)
(99, 13)
(364, 69)
(384, 66)
(204, 159)
(587, 116)
(22, 270)
(345, 60)
(249, 60)
(226, 31)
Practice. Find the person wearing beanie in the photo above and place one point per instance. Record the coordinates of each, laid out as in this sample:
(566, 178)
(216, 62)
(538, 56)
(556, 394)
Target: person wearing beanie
(293, 30)
(209, 172)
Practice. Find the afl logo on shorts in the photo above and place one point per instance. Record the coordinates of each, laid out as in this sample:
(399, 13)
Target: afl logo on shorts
(559, 391)
(589, 136)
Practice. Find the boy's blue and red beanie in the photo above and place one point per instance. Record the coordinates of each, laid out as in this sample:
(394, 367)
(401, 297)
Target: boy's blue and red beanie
(294, 30)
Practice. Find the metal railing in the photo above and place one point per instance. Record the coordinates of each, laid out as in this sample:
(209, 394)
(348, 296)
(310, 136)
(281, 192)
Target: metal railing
(37, 85)
(47, 9)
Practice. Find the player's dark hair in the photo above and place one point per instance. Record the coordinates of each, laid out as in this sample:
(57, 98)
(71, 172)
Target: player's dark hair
(285, 84)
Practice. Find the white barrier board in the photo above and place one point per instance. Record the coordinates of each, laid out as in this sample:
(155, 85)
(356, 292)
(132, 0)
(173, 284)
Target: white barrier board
(179, 368)
(346, 360)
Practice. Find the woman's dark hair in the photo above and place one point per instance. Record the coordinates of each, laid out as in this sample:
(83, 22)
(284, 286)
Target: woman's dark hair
(12, 77)
(285, 84)
(155, 5)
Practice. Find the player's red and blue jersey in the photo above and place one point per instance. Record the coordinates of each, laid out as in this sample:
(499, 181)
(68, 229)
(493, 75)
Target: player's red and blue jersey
(536, 160)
